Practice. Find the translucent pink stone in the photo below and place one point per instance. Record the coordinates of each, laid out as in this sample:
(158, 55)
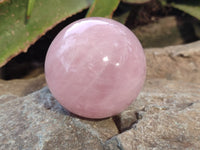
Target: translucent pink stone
(95, 67)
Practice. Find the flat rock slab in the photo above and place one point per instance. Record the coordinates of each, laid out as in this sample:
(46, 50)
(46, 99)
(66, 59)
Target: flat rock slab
(38, 121)
(166, 114)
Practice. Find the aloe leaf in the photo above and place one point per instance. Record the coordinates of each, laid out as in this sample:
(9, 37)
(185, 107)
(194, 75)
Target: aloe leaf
(135, 1)
(102, 8)
(30, 8)
(15, 36)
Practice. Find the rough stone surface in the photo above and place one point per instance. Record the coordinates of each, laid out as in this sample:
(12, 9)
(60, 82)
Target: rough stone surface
(181, 63)
(21, 87)
(38, 121)
(174, 62)
(166, 115)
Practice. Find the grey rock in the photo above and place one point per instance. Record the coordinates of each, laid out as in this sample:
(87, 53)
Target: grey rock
(38, 121)
(174, 62)
(21, 87)
(169, 64)
(166, 114)
(168, 118)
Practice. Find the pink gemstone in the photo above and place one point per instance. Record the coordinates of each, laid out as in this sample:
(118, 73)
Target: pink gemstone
(95, 67)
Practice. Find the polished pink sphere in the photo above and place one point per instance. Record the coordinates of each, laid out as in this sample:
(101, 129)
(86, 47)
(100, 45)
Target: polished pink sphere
(95, 67)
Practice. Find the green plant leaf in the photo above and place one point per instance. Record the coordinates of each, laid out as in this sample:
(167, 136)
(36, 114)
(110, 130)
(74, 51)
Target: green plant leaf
(102, 8)
(30, 8)
(16, 36)
(191, 7)
(135, 1)
(122, 18)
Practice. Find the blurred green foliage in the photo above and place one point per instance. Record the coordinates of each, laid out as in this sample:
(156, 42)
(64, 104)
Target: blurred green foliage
(191, 7)
(108, 8)
(135, 1)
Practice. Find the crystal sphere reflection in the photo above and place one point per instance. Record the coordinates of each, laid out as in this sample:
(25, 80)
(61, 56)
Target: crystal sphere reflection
(95, 67)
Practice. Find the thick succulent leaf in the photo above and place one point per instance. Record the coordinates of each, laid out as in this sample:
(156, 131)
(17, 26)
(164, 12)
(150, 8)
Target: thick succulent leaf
(30, 7)
(16, 36)
(102, 8)
(191, 7)
(135, 1)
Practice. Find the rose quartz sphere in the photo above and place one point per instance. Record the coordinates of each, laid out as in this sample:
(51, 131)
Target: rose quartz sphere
(95, 67)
